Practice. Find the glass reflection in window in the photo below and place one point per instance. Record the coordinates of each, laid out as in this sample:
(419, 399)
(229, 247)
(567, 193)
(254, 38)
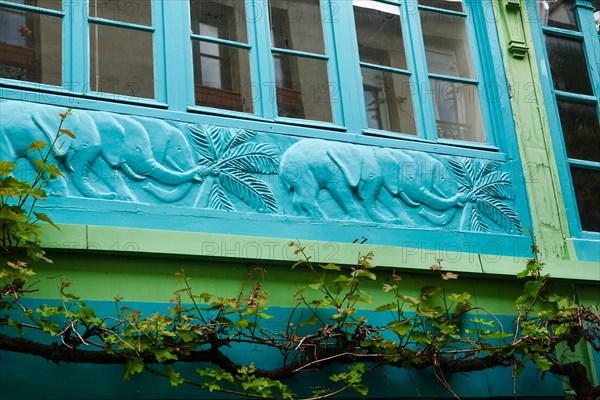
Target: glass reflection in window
(30, 47)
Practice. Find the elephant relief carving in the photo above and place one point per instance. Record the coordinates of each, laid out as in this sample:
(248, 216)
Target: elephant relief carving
(109, 152)
(366, 182)
(39, 123)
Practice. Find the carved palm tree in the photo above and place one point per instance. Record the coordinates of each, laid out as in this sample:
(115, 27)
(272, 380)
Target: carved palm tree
(230, 161)
(486, 191)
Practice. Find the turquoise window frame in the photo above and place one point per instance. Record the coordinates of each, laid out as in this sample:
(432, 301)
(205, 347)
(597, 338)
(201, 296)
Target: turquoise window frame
(76, 52)
(586, 243)
(478, 30)
(174, 79)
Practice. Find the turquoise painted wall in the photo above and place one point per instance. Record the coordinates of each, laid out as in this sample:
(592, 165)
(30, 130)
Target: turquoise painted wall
(122, 236)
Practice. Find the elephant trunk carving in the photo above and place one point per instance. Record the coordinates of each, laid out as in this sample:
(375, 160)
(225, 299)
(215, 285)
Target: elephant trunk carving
(168, 176)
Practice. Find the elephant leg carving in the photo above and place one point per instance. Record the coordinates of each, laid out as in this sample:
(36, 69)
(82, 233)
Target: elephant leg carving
(343, 195)
(368, 190)
(305, 204)
(85, 177)
(400, 215)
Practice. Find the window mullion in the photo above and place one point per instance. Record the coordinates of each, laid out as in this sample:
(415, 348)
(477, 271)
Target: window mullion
(77, 48)
(266, 98)
(158, 45)
(353, 104)
(591, 47)
(417, 62)
(179, 80)
(329, 16)
(484, 71)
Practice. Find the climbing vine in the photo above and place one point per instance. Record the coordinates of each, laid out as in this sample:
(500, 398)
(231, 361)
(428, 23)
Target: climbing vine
(436, 328)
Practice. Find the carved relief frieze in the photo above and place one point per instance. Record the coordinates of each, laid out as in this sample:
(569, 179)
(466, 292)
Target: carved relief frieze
(152, 161)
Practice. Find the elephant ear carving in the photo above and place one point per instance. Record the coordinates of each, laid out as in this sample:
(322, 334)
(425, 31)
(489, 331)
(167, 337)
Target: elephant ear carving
(42, 121)
(112, 135)
(344, 156)
(390, 170)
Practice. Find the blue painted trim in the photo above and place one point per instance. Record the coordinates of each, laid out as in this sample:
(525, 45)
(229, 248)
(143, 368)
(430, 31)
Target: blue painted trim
(119, 24)
(329, 9)
(585, 243)
(158, 47)
(263, 59)
(443, 10)
(478, 41)
(67, 49)
(297, 53)
(385, 68)
(221, 112)
(588, 248)
(561, 32)
(390, 2)
(415, 48)
(177, 74)
(582, 98)
(451, 78)
(311, 123)
(255, 65)
(584, 163)
(222, 42)
(351, 91)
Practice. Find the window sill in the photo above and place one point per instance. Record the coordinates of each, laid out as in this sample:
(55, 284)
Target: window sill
(43, 89)
(587, 249)
(448, 147)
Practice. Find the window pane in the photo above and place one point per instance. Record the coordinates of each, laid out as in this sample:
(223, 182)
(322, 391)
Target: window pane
(129, 11)
(121, 61)
(568, 65)
(302, 88)
(379, 34)
(296, 25)
(30, 47)
(454, 5)
(587, 192)
(388, 99)
(222, 77)
(224, 19)
(446, 45)
(51, 4)
(457, 111)
(581, 130)
(559, 14)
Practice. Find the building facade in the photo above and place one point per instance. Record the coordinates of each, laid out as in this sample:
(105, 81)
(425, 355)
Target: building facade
(210, 134)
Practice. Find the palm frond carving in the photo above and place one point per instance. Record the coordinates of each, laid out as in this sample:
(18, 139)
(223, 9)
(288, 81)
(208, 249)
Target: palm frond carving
(230, 159)
(488, 192)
